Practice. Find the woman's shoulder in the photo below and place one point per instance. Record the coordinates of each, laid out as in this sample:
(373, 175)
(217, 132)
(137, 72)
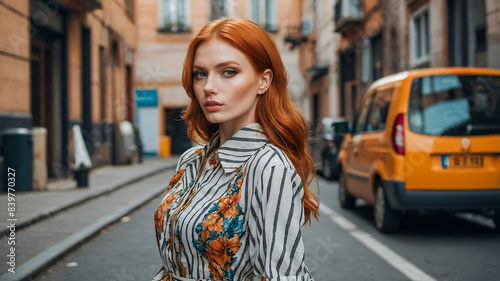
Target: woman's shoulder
(271, 156)
(189, 155)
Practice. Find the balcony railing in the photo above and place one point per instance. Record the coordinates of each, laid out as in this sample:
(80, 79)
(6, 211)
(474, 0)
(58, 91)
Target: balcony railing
(347, 13)
(83, 5)
(295, 36)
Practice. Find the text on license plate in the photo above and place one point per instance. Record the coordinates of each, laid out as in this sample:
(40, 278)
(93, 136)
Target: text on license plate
(462, 161)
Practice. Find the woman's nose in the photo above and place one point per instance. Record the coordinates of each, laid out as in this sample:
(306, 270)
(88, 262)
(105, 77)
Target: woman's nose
(209, 87)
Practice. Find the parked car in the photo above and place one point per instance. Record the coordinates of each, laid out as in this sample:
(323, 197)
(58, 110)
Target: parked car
(325, 145)
(425, 139)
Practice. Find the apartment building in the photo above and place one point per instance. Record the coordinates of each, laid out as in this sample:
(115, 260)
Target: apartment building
(381, 37)
(165, 28)
(67, 62)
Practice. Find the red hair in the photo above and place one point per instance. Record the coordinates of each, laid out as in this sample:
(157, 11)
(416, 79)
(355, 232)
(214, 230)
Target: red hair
(282, 122)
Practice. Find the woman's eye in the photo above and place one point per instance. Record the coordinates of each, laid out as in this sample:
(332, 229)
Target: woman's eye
(199, 74)
(229, 73)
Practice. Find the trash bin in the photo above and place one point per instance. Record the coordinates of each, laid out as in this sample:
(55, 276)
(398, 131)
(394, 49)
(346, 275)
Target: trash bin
(165, 146)
(82, 176)
(17, 150)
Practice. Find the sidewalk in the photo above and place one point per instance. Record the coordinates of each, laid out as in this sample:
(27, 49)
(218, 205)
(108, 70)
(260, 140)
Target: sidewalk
(37, 205)
(56, 222)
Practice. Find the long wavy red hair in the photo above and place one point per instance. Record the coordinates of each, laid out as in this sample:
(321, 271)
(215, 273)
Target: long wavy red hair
(282, 122)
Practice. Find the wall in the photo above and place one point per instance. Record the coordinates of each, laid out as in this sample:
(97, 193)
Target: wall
(14, 58)
(160, 55)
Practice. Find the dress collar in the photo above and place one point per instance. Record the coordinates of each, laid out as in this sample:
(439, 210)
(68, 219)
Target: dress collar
(239, 148)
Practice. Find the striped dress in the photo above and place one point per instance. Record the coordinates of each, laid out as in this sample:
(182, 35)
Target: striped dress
(240, 219)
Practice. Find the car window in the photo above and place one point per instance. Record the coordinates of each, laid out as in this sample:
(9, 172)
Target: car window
(455, 105)
(378, 112)
(360, 125)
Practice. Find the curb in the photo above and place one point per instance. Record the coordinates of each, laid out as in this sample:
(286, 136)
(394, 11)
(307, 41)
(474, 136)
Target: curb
(40, 262)
(29, 220)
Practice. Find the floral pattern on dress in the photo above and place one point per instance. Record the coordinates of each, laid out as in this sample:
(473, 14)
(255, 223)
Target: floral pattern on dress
(220, 231)
(164, 206)
(212, 162)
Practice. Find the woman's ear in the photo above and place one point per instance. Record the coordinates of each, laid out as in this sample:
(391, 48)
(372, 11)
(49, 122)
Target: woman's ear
(265, 81)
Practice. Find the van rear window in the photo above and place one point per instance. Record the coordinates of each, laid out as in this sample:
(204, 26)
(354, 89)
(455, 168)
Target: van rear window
(455, 105)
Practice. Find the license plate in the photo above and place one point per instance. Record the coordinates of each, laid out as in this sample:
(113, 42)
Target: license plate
(462, 161)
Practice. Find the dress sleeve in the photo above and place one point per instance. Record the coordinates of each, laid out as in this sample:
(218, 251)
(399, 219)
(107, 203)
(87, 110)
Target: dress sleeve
(275, 222)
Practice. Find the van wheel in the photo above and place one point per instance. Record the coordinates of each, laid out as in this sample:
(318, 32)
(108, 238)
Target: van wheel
(347, 201)
(327, 169)
(386, 219)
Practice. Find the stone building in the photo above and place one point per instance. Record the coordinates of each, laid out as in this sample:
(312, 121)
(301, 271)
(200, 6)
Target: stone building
(165, 28)
(318, 46)
(66, 62)
(381, 37)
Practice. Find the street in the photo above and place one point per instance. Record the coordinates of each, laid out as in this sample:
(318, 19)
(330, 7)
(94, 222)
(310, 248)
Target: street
(344, 245)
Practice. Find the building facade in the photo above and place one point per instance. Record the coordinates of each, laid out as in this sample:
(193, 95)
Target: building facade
(381, 37)
(165, 28)
(68, 62)
(318, 46)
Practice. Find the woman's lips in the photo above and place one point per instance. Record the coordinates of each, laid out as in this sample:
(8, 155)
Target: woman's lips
(211, 105)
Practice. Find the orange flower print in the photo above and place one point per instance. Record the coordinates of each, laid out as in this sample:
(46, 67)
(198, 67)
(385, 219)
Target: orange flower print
(219, 232)
(162, 209)
(213, 222)
(212, 162)
(215, 270)
(238, 170)
(175, 179)
(228, 205)
(217, 250)
(204, 236)
(240, 178)
(198, 151)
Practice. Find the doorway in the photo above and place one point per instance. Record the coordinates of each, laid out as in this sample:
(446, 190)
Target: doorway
(42, 95)
(176, 128)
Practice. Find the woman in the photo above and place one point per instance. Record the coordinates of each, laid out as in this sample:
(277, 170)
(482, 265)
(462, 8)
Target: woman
(235, 207)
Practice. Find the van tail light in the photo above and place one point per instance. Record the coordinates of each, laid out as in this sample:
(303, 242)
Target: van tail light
(398, 134)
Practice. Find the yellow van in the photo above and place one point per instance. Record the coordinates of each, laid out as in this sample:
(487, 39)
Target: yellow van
(426, 139)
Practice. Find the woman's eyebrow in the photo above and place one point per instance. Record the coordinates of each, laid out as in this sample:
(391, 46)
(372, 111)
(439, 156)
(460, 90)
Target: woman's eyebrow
(221, 64)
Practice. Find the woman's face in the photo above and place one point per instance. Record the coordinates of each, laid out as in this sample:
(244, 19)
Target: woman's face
(226, 85)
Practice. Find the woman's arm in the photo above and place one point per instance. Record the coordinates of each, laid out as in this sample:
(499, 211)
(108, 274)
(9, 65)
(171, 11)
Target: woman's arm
(276, 219)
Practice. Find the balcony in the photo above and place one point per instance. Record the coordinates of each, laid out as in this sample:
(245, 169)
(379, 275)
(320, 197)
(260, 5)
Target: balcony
(317, 70)
(295, 36)
(83, 5)
(347, 14)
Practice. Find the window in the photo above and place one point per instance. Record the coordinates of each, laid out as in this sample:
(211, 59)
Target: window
(174, 16)
(379, 110)
(371, 59)
(467, 33)
(455, 105)
(264, 10)
(376, 46)
(129, 6)
(255, 11)
(366, 62)
(217, 9)
(115, 54)
(271, 16)
(360, 124)
(419, 30)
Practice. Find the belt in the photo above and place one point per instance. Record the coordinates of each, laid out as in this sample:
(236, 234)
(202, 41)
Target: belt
(162, 275)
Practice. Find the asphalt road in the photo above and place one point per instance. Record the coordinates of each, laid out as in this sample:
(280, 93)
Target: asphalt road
(344, 245)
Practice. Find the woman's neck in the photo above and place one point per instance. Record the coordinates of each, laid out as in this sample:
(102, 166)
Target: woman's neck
(226, 130)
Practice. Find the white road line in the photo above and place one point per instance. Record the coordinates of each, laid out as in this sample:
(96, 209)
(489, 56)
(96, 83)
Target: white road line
(395, 260)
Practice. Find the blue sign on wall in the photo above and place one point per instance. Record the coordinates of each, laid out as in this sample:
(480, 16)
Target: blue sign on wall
(146, 97)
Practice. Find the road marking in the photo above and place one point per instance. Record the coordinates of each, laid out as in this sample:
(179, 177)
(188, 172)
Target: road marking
(395, 260)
